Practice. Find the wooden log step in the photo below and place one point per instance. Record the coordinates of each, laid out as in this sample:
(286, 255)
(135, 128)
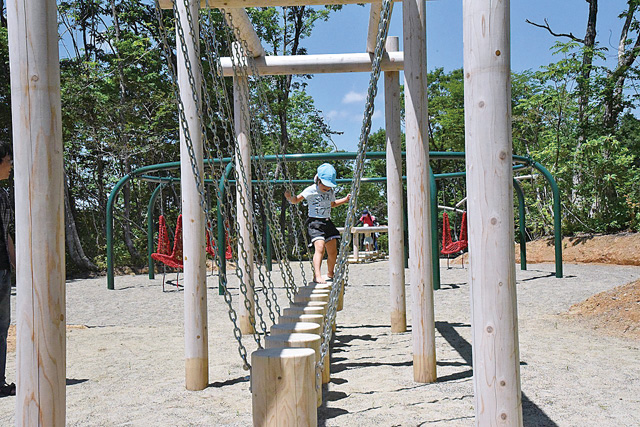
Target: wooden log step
(311, 341)
(283, 387)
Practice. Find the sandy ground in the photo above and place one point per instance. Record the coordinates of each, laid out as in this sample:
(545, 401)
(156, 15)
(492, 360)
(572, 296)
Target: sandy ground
(126, 367)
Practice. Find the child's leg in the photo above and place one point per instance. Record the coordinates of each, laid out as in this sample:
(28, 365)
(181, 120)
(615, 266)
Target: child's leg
(319, 246)
(332, 255)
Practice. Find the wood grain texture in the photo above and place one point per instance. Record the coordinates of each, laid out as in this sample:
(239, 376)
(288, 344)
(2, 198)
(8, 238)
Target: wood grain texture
(417, 142)
(282, 387)
(195, 289)
(311, 297)
(293, 310)
(395, 191)
(40, 244)
(311, 341)
(290, 328)
(318, 64)
(496, 362)
(245, 225)
(242, 24)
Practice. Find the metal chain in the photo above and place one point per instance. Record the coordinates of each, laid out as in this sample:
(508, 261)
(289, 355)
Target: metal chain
(341, 264)
(214, 60)
(261, 169)
(296, 214)
(247, 213)
(167, 51)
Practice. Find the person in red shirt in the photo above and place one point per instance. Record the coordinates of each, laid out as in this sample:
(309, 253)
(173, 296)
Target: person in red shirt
(367, 218)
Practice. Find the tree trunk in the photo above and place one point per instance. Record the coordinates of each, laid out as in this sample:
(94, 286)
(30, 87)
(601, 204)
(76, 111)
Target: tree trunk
(587, 63)
(614, 90)
(74, 246)
(126, 213)
(124, 140)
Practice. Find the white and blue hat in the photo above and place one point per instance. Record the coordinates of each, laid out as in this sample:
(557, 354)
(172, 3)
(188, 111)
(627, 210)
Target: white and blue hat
(327, 175)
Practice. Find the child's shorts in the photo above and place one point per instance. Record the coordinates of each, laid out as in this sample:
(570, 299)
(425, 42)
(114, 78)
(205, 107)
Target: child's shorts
(321, 229)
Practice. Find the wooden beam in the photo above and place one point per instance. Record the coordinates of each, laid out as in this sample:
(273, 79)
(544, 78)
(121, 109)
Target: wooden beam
(244, 198)
(492, 275)
(193, 224)
(239, 19)
(418, 191)
(38, 148)
(232, 4)
(318, 64)
(374, 22)
(395, 191)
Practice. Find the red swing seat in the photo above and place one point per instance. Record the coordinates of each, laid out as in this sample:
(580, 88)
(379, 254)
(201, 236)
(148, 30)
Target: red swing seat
(175, 258)
(450, 247)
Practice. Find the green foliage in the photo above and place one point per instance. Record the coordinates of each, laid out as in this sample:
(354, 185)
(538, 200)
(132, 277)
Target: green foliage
(5, 87)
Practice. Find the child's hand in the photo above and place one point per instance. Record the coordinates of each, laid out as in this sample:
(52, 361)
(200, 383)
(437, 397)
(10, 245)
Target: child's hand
(348, 197)
(287, 195)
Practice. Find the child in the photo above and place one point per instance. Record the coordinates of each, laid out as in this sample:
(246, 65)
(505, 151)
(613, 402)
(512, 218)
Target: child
(322, 233)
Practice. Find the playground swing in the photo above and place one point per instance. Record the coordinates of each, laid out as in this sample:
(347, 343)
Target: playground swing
(450, 247)
(173, 259)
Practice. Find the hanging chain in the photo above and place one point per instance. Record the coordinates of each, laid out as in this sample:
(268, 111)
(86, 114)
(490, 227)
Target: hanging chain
(167, 52)
(341, 264)
(262, 169)
(296, 214)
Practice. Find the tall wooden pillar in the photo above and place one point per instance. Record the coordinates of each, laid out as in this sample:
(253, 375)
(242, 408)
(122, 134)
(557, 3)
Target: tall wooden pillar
(193, 223)
(243, 174)
(494, 320)
(395, 191)
(37, 142)
(416, 122)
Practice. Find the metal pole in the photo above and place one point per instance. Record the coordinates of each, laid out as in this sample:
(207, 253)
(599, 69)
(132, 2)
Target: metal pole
(557, 217)
(110, 202)
(523, 234)
(152, 202)
(435, 249)
(222, 242)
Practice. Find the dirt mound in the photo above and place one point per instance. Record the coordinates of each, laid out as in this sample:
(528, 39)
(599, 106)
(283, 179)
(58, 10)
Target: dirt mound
(616, 311)
(622, 249)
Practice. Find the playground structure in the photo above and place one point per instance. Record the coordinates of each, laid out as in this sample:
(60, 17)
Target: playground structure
(149, 174)
(39, 201)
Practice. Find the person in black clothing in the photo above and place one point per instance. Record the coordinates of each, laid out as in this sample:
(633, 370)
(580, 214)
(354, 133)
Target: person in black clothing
(7, 261)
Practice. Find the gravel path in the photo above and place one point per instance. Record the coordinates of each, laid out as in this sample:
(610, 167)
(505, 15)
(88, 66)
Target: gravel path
(127, 368)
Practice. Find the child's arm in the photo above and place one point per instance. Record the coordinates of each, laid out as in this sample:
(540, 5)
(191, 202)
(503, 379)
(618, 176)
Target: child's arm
(341, 201)
(293, 199)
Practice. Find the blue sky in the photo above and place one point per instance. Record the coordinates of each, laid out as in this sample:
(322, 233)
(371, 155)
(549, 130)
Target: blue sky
(341, 97)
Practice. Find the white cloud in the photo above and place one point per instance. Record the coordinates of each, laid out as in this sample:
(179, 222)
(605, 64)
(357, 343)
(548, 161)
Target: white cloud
(354, 97)
(337, 114)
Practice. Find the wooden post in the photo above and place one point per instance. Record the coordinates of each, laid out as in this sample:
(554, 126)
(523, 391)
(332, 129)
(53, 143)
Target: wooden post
(290, 328)
(38, 148)
(356, 246)
(311, 318)
(311, 341)
(321, 304)
(313, 291)
(193, 225)
(283, 387)
(487, 105)
(245, 225)
(312, 297)
(395, 189)
(415, 91)
(292, 311)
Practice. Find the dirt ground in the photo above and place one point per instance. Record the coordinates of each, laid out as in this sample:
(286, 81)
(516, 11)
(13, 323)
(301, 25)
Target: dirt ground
(125, 350)
(616, 311)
